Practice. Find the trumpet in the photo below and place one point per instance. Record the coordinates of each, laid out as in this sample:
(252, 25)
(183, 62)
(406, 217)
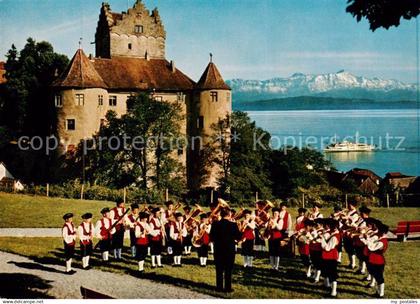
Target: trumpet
(238, 215)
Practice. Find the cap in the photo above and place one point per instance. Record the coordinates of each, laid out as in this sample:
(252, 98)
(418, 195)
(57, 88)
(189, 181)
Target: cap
(143, 215)
(87, 216)
(169, 203)
(134, 206)
(308, 222)
(302, 210)
(337, 208)
(105, 210)
(187, 208)
(203, 216)
(364, 210)
(67, 216)
(246, 211)
(155, 210)
(283, 204)
(178, 214)
(275, 209)
(382, 228)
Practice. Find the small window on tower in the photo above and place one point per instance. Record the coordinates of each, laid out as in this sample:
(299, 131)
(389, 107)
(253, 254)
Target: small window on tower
(58, 101)
(100, 100)
(213, 96)
(80, 99)
(129, 46)
(138, 29)
(71, 124)
(227, 97)
(112, 101)
(200, 122)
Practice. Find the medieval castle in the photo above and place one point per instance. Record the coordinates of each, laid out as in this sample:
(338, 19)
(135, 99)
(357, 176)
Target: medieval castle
(130, 58)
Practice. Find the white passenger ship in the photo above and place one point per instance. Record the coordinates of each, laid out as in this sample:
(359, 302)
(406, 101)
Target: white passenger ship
(347, 146)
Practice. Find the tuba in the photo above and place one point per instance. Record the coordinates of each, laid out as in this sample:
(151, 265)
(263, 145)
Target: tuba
(264, 216)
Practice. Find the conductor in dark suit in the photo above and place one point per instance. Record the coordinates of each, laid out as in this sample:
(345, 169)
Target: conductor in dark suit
(224, 235)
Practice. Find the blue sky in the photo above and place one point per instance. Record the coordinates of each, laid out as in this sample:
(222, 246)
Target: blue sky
(253, 39)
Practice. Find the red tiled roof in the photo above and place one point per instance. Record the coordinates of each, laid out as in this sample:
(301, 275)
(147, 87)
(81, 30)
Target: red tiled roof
(141, 74)
(211, 79)
(80, 74)
(365, 173)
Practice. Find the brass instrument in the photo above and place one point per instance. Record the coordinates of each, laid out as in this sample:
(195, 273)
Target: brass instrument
(221, 204)
(264, 216)
(238, 215)
(196, 240)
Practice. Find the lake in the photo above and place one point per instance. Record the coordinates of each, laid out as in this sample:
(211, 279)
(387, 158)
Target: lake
(394, 132)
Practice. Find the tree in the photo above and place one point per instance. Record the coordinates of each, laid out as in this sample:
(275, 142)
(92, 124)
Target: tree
(248, 161)
(24, 106)
(293, 169)
(146, 156)
(383, 13)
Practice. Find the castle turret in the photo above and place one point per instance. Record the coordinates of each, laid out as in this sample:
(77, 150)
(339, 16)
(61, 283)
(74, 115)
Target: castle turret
(134, 33)
(212, 103)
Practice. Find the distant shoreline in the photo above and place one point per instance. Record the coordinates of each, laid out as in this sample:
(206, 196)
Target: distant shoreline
(320, 103)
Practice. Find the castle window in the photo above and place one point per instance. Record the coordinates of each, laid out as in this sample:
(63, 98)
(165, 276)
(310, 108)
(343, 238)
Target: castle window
(213, 96)
(157, 98)
(228, 97)
(58, 101)
(138, 29)
(180, 97)
(129, 46)
(71, 124)
(100, 100)
(112, 101)
(80, 99)
(200, 122)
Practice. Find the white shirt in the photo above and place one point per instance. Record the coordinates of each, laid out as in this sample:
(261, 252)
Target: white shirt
(180, 227)
(146, 229)
(283, 219)
(329, 242)
(69, 233)
(80, 231)
(375, 244)
(107, 225)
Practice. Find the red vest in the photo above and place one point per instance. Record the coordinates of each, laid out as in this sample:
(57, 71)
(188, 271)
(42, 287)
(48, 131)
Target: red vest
(85, 233)
(70, 232)
(333, 253)
(141, 240)
(132, 220)
(377, 257)
(117, 217)
(300, 225)
(155, 227)
(176, 230)
(105, 233)
(248, 234)
(275, 234)
(285, 221)
(304, 249)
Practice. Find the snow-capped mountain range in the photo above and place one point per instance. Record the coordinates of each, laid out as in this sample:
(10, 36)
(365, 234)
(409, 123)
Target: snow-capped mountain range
(340, 84)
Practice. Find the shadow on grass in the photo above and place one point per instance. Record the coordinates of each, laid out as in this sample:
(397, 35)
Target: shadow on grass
(290, 278)
(23, 286)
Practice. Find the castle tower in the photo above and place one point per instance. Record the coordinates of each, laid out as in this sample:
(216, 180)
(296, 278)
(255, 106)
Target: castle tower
(135, 33)
(212, 103)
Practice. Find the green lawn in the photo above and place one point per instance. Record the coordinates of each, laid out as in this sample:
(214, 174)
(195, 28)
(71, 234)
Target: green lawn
(401, 272)
(25, 211)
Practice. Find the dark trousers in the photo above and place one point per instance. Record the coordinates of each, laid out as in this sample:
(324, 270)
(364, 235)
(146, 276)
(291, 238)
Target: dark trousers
(247, 248)
(224, 267)
(86, 250)
(133, 238)
(118, 239)
(177, 247)
(274, 247)
(156, 247)
(330, 270)
(316, 258)
(305, 260)
(68, 251)
(348, 246)
(377, 271)
(105, 245)
(141, 252)
(203, 251)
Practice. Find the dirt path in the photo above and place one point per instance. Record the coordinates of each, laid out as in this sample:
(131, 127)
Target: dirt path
(21, 276)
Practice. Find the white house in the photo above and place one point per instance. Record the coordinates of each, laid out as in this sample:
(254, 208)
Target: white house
(7, 179)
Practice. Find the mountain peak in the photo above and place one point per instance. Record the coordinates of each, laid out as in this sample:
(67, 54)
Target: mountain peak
(340, 84)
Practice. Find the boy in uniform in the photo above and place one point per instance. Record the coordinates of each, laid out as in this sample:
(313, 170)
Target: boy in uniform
(131, 222)
(156, 237)
(202, 236)
(118, 238)
(104, 233)
(177, 233)
(142, 230)
(248, 238)
(85, 231)
(69, 240)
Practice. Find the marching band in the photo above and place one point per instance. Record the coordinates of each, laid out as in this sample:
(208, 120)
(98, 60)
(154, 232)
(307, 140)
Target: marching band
(320, 241)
